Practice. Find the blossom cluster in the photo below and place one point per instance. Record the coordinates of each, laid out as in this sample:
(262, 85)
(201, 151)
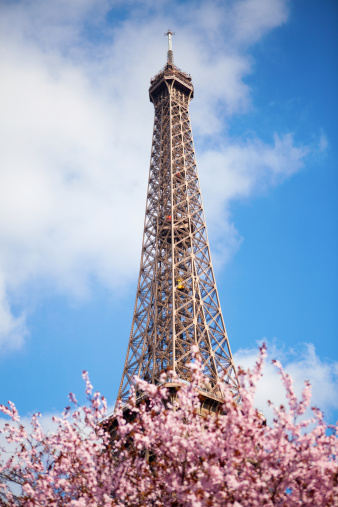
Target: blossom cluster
(162, 452)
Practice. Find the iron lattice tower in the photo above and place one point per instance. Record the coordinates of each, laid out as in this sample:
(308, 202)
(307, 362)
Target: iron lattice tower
(177, 302)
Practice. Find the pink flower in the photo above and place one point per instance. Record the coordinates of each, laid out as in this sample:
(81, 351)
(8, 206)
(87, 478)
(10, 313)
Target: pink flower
(168, 455)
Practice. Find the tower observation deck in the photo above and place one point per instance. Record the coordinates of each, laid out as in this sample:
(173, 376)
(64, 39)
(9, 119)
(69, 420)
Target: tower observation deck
(177, 303)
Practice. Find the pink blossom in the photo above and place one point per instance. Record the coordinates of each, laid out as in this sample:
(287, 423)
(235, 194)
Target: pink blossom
(166, 454)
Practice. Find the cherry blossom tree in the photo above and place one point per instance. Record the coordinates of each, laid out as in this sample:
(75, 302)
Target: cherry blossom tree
(165, 454)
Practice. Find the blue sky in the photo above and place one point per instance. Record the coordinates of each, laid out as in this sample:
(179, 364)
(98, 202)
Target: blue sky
(76, 129)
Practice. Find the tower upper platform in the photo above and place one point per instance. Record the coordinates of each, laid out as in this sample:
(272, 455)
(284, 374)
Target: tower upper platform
(170, 78)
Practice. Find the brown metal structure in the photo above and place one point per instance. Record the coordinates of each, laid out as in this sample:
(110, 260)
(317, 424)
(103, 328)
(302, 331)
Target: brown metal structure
(177, 302)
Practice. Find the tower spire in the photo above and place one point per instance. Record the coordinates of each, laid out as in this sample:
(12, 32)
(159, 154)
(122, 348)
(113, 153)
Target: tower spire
(170, 57)
(177, 303)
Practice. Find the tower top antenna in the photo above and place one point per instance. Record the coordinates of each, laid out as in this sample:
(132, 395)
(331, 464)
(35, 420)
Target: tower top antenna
(169, 34)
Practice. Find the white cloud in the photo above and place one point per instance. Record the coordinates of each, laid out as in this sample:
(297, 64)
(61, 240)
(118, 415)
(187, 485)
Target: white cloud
(323, 143)
(76, 131)
(64, 206)
(302, 364)
(254, 18)
(242, 170)
(12, 329)
(247, 168)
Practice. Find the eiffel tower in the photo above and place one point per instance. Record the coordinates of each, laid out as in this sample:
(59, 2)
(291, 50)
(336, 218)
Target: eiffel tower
(177, 302)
